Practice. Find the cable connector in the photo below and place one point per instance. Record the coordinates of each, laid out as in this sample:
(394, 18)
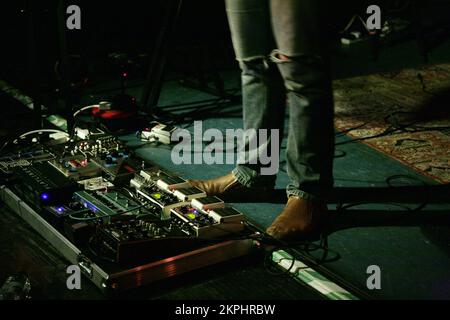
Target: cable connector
(104, 105)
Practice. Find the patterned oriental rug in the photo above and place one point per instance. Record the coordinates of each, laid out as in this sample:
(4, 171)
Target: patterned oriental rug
(405, 115)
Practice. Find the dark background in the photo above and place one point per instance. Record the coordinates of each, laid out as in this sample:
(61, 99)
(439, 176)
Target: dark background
(129, 27)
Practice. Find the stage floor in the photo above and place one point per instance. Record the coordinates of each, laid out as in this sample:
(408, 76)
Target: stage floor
(387, 235)
(410, 246)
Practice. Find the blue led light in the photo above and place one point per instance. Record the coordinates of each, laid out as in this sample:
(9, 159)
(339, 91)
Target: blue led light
(44, 196)
(60, 209)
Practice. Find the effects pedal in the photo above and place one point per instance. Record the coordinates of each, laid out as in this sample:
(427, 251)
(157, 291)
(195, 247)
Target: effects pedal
(165, 200)
(43, 184)
(170, 183)
(96, 184)
(208, 203)
(158, 133)
(76, 167)
(165, 190)
(188, 194)
(141, 240)
(117, 165)
(208, 223)
(226, 215)
(24, 157)
(112, 204)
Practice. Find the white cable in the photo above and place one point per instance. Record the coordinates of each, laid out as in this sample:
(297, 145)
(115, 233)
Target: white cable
(349, 24)
(352, 20)
(85, 108)
(42, 130)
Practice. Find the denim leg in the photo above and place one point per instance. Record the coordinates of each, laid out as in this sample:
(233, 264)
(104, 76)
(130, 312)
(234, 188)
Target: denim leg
(251, 32)
(304, 65)
(263, 93)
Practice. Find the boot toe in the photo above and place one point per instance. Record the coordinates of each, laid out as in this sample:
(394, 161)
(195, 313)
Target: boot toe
(300, 220)
(283, 233)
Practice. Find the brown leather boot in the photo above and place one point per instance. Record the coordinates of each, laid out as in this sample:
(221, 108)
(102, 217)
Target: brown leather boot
(217, 186)
(230, 189)
(300, 219)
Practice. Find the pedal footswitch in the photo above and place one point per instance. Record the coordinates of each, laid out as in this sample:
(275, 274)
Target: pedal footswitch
(207, 203)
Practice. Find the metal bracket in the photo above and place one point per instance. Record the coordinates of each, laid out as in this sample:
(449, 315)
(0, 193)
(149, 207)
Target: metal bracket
(85, 265)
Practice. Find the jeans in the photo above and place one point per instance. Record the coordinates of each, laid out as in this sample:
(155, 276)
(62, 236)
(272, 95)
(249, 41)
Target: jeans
(281, 49)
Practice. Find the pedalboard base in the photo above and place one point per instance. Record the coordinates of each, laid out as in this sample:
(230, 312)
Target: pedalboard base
(114, 277)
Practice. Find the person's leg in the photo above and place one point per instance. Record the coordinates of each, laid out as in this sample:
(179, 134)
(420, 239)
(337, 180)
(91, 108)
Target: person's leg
(302, 58)
(263, 93)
